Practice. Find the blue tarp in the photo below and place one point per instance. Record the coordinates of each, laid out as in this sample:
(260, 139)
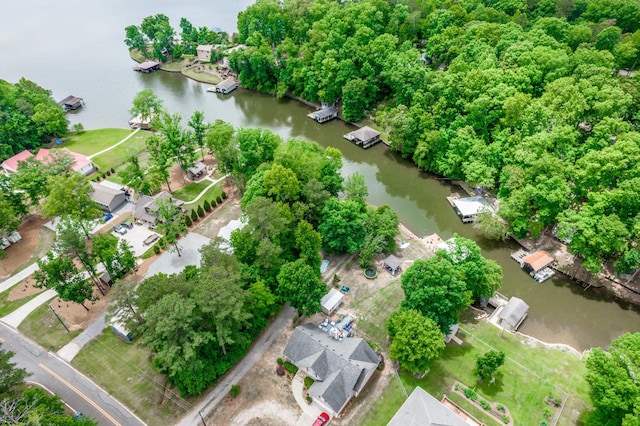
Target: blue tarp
(323, 266)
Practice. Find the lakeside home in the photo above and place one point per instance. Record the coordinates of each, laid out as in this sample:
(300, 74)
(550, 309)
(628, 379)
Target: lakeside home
(364, 137)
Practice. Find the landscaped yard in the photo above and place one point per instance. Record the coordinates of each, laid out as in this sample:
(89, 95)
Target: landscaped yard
(211, 195)
(8, 306)
(92, 141)
(118, 156)
(529, 375)
(43, 327)
(124, 369)
(202, 76)
(192, 190)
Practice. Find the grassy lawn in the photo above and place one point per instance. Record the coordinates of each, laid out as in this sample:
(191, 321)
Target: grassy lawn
(529, 375)
(192, 190)
(8, 306)
(43, 327)
(384, 409)
(92, 141)
(124, 369)
(380, 304)
(211, 195)
(119, 155)
(202, 76)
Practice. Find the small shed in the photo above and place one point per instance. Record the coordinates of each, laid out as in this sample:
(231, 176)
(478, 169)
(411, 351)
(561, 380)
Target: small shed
(105, 278)
(196, 171)
(325, 114)
(147, 66)
(537, 261)
(392, 264)
(513, 314)
(331, 301)
(468, 208)
(364, 137)
(70, 103)
(226, 86)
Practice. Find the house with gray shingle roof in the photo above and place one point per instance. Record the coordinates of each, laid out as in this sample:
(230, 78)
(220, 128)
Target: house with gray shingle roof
(422, 409)
(340, 368)
(146, 207)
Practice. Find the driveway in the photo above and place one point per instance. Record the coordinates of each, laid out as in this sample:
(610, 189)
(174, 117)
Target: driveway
(171, 263)
(135, 237)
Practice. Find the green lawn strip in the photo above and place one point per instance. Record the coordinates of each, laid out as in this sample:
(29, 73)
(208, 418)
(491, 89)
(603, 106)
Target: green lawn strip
(192, 190)
(387, 405)
(92, 141)
(136, 55)
(203, 77)
(119, 155)
(379, 305)
(43, 327)
(124, 370)
(211, 195)
(527, 378)
(8, 306)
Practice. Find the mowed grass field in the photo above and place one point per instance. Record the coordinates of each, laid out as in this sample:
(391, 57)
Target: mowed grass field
(91, 141)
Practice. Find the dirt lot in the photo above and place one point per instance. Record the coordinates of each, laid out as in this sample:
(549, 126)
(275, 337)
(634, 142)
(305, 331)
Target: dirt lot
(36, 241)
(267, 399)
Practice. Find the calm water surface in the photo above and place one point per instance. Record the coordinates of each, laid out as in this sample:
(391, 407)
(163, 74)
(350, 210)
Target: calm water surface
(76, 47)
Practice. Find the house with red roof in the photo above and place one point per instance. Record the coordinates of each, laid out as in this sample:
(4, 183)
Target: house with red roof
(81, 164)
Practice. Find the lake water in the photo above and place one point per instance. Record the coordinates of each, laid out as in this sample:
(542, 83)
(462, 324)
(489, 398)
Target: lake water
(76, 48)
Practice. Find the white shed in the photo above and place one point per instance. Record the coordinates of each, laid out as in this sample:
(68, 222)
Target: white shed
(331, 301)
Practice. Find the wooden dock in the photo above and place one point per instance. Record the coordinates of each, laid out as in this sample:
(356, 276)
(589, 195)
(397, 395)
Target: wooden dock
(452, 197)
(519, 256)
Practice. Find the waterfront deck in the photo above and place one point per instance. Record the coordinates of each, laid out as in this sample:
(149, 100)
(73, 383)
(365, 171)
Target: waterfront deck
(519, 256)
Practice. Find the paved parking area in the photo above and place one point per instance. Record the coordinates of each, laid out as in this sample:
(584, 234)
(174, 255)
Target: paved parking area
(135, 237)
(171, 263)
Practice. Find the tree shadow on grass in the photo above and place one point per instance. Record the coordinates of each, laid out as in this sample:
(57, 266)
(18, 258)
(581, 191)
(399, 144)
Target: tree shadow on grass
(492, 389)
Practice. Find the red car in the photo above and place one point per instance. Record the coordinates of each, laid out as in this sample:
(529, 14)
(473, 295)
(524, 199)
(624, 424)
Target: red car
(322, 419)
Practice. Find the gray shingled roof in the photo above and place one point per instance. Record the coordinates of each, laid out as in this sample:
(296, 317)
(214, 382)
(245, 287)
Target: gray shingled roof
(393, 262)
(422, 409)
(339, 367)
(325, 112)
(103, 195)
(514, 311)
(365, 133)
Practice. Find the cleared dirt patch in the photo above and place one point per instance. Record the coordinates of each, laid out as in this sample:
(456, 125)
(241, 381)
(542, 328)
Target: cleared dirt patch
(36, 240)
(24, 289)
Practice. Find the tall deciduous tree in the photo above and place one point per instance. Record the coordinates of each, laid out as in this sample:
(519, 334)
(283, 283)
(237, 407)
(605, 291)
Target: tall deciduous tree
(59, 273)
(342, 228)
(613, 377)
(300, 285)
(146, 104)
(487, 365)
(170, 222)
(220, 141)
(10, 376)
(70, 197)
(416, 341)
(199, 128)
(435, 288)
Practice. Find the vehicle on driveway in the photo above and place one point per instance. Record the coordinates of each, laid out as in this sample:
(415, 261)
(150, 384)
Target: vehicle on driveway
(322, 420)
(151, 239)
(120, 229)
(107, 217)
(127, 225)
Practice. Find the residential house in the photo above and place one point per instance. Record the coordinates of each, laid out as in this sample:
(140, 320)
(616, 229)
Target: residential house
(364, 137)
(204, 52)
(331, 301)
(146, 207)
(422, 409)
(81, 163)
(340, 368)
(107, 197)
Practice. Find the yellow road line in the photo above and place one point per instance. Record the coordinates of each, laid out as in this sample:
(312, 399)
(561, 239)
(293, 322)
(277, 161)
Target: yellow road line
(83, 396)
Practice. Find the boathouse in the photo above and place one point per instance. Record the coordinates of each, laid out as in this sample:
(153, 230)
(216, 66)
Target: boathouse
(225, 87)
(537, 261)
(468, 208)
(513, 314)
(147, 66)
(325, 114)
(364, 137)
(392, 264)
(71, 103)
(138, 122)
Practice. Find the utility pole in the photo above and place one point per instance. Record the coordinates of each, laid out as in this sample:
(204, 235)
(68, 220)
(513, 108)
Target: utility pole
(59, 319)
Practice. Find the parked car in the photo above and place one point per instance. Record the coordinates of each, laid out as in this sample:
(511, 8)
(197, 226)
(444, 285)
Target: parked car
(120, 229)
(322, 420)
(107, 217)
(127, 225)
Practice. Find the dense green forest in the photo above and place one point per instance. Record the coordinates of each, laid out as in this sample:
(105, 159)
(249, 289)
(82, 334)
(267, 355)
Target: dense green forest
(29, 117)
(522, 98)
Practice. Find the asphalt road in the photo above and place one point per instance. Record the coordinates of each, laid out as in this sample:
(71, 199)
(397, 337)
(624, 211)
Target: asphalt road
(80, 393)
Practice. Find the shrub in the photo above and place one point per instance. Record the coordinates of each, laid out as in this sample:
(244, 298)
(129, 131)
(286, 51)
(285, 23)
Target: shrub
(162, 242)
(113, 170)
(544, 423)
(458, 387)
(505, 419)
(279, 361)
(156, 249)
(194, 215)
(290, 367)
(187, 220)
(214, 203)
(308, 381)
(470, 394)
(485, 405)
(200, 211)
(218, 199)
(309, 399)
(207, 206)
(547, 412)
(235, 390)
(500, 407)
(224, 195)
